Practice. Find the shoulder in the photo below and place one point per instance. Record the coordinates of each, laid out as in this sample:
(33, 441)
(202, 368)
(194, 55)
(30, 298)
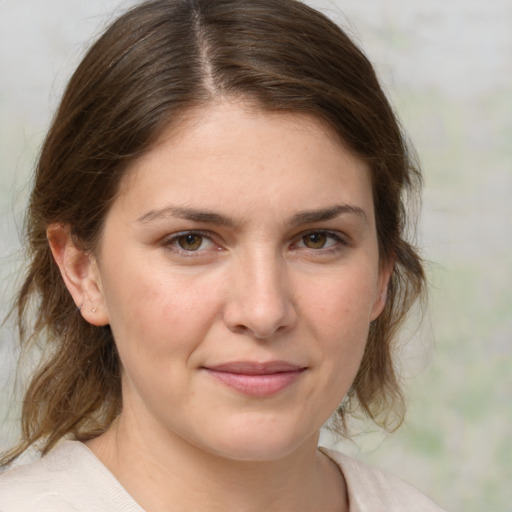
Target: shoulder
(373, 490)
(68, 479)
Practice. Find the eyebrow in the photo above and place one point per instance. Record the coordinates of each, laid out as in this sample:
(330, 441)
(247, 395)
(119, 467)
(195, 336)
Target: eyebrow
(211, 217)
(193, 214)
(323, 214)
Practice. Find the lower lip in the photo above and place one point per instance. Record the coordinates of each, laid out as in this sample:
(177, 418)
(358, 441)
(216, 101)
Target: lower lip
(261, 385)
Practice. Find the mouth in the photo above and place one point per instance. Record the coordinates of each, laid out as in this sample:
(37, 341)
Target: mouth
(256, 380)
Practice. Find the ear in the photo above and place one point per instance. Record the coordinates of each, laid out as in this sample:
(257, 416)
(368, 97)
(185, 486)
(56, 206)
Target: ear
(385, 272)
(80, 273)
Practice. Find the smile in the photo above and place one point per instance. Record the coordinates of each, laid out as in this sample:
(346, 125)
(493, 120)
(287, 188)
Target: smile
(257, 380)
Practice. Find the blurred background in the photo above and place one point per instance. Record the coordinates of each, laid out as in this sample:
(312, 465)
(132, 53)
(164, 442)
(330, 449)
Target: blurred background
(447, 68)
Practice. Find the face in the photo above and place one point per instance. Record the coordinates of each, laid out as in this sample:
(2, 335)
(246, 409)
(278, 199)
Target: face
(238, 269)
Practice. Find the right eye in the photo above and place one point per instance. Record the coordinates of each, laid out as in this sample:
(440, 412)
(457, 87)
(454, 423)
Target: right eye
(189, 242)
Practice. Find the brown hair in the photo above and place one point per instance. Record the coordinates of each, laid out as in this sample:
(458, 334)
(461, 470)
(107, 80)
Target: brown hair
(151, 65)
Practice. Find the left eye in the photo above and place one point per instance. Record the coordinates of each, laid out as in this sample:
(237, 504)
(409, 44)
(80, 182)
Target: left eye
(318, 240)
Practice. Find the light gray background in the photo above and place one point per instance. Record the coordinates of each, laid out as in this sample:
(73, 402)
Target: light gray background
(447, 65)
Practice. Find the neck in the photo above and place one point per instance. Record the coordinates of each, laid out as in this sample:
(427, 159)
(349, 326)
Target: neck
(180, 476)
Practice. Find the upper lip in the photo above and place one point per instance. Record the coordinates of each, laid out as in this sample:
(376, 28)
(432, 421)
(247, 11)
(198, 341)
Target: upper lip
(255, 368)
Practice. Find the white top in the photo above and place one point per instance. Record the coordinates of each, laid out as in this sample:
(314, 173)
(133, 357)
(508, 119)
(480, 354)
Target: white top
(71, 479)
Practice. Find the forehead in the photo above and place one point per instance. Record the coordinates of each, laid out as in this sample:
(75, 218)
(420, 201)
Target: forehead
(229, 150)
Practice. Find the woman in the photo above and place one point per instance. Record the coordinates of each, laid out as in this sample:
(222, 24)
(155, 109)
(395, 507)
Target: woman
(217, 240)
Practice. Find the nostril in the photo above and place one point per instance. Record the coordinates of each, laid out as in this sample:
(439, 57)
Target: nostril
(239, 329)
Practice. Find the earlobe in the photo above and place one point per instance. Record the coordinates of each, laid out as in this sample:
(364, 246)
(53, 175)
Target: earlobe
(80, 274)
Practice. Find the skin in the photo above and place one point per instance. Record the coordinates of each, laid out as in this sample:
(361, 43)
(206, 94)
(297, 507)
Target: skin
(281, 264)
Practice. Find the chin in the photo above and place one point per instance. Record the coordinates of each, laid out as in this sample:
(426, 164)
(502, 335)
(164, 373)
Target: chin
(260, 442)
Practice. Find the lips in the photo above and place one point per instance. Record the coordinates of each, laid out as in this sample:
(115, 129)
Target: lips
(256, 379)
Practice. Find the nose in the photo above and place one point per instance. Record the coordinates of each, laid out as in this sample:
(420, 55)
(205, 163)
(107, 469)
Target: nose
(260, 294)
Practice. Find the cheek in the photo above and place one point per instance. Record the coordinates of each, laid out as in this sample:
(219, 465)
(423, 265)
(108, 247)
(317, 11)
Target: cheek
(341, 303)
(338, 312)
(157, 313)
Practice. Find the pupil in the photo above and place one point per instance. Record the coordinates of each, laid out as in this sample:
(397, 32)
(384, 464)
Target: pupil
(190, 242)
(315, 240)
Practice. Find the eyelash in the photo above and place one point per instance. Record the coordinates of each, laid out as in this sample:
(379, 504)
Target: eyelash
(339, 242)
